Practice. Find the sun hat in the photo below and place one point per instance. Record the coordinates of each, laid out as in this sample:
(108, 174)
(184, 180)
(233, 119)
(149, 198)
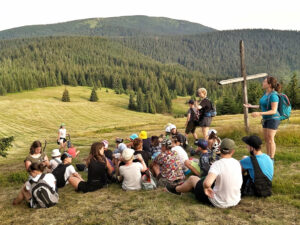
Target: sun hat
(227, 145)
(133, 136)
(105, 142)
(143, 134)
(253, 141)
(127, 154)
(55, 153)
(202, 143)
(64, 156)
(211, 131)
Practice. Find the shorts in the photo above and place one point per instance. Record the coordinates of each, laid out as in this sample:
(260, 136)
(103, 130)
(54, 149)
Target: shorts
(199, 193)
(270, 124)
(205, 122)
(87, 187)
(190, 128)
(62, 140)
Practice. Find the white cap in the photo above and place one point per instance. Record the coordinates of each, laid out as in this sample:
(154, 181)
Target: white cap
(211, 131)
(172, 127)
(55, 153)
(127, 154)
(105, 142)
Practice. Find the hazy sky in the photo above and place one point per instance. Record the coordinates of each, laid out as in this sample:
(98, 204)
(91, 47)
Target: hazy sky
(219, 14)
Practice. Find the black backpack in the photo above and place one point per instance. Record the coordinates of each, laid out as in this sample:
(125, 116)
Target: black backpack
(59, 173)
(262, 184)
(43, 196)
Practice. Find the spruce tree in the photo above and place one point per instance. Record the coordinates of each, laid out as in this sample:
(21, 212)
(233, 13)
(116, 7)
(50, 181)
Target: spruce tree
(65, 96)
(94, 96)
(5, 144)
(293, 91)
(140, 101)
(132, 103)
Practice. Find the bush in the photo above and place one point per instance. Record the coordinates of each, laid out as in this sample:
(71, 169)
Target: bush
(94, 96)
(65, 96)
(5, 144)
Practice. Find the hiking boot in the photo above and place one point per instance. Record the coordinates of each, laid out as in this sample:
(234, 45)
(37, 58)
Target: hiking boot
(172, 189)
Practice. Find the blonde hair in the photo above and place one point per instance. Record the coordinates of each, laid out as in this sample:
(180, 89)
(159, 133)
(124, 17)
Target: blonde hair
(203, 91)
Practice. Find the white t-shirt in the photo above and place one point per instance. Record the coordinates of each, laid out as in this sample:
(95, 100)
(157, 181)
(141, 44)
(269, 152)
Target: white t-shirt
(49, 178)
(54, 163)
(227, 189)
(69, 171)
(62, 133)
(182, 155)
(131, 176)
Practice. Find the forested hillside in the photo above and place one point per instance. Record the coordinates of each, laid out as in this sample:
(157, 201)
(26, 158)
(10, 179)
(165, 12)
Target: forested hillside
(217, 53)
(109, 27)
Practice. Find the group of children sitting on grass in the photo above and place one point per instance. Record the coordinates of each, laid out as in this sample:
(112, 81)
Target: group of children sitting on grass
(140, 162)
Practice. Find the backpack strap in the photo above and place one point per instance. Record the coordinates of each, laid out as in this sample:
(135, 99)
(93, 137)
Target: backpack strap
(31, 181)
(257, 169)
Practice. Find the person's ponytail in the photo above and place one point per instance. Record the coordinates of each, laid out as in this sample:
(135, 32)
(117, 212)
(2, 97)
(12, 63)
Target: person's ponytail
(278, 87)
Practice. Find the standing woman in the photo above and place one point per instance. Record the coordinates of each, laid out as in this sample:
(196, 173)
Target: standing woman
(36, 156)
(204, 107)
(62, 137)
(270, 115)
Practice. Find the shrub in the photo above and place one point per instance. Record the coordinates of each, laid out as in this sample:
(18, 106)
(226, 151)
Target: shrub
(65, 96)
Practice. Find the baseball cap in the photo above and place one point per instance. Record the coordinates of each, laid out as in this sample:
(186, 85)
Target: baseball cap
(202, 143)
(211, 131)
(119, 140)
(133, 136)
(127, 154)
(143, 134)
(64, 156)
(121, 147)
(253, 140)
(227, 145)
(166, 142)
(191, 101)
(105, 142)
(62, 124)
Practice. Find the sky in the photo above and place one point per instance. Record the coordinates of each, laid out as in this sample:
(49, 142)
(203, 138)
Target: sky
(218, 14)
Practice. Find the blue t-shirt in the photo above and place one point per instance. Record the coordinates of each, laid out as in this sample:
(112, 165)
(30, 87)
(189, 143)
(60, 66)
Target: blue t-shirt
(265, 105)
(265, 163)
(204, 163)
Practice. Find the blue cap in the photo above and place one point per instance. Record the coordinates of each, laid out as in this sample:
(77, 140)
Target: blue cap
(202, 143)
(65, 155)
(133, 136)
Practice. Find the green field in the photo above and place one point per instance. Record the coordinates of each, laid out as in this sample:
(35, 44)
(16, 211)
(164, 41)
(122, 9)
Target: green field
(37, 114)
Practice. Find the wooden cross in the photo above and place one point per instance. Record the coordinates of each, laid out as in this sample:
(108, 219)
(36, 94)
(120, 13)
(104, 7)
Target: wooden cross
(243, 79)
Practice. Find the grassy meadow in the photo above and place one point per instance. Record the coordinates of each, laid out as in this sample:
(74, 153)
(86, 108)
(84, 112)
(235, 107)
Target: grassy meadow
(36, 115)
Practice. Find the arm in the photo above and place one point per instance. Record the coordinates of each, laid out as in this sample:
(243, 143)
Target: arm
(58, 137)
(209, 180)
(27, 164)
(109, 167)
(251, 106)
(140, 158)
(274, 106)
(187, 163)
(188, 118)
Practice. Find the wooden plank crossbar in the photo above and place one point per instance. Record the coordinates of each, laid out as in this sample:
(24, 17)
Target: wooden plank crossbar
(240, 79)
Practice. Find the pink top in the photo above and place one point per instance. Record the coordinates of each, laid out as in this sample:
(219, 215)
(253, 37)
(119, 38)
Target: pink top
(72, 152)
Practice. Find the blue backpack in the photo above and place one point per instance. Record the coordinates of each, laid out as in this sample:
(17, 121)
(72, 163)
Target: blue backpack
(284, 106)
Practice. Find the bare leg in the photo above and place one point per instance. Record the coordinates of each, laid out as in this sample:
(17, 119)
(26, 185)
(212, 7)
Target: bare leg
(156, 169)
(23, 194)
(188, 185)
(265, 130)
(195, 135)
(271, 142)
(74, 181)
(204, 132)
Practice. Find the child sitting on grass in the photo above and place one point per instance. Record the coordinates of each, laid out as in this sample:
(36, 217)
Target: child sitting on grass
(131, 171)
(55, 161)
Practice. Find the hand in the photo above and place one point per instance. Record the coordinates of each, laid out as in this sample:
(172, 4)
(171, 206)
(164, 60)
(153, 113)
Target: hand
(247, 105)
(255, 114)
(139, 157)
(209, 192)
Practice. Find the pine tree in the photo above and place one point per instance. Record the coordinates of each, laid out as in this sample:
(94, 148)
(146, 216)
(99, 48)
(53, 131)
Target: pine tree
(94, 96)
(65, 96)
(140, 101)
(5, 144)
(132, 103)
(99, 85)
(293, 91)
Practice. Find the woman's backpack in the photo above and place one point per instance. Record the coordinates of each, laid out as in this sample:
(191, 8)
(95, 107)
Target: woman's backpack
(284, 106)
(59, 174)
(212, 112)
(43, 196)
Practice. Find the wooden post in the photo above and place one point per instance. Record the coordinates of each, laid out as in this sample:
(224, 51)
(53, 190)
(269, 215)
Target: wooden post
(245, 94)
